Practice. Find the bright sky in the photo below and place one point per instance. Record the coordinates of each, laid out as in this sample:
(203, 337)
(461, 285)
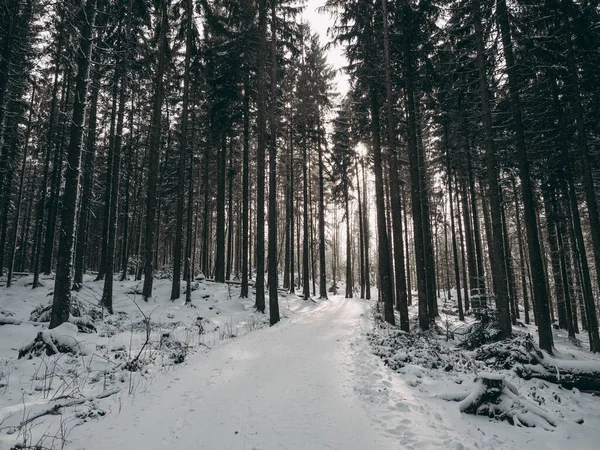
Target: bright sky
(335, 55)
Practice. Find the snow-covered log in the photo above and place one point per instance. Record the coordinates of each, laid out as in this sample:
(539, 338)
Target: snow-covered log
(583, 375)
(62, 339)
(496, 398)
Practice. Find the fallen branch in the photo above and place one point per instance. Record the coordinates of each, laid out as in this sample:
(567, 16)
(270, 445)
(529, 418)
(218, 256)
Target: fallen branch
(56, 408)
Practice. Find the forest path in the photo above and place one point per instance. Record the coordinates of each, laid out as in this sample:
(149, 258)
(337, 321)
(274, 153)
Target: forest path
(296, 385)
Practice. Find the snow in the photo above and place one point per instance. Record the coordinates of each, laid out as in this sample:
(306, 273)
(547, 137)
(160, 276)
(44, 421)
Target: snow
(285, 387)
(215, 376)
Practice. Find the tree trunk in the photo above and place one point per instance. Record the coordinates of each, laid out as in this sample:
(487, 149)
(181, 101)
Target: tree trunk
(497, 252)
(361, 234)
(220, 225)
(461, 314)
(13, 239)
(367, 235)
(272, 249)
(305, 244)
(385, 281)
(415, 180)
(588, 181)
(245, 188)
(178, 243)
(131, 157)
(260, 156)
(540, 294)
(396, 203)
(322, 268)
(107, 294)
(154, 151)
(62, 287)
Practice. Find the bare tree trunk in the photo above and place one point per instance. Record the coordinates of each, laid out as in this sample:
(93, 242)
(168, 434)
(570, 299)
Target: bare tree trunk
(115, 179)
(322, 268)
(385, 281)
(588, 181)
(461, 314)
(497, 252)
(178, 244)
(154, 151)
(396, 203)
(540, 294)
(361, 233)
(245, 188)
(260, 156)
(305, 244)
(367, 235)
(13, 239)
(462, 251)
(415, 180)
(272, 249)
(61, 302)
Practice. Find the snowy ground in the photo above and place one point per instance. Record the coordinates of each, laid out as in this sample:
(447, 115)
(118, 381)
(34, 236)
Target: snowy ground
(411, 404)
(310, 382)
(140, 343)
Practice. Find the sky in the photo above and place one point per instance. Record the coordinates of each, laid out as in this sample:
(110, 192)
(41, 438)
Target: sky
(320, 22)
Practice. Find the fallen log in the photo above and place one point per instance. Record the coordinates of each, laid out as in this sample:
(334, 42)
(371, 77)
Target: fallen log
(494, 397)
(584, 379)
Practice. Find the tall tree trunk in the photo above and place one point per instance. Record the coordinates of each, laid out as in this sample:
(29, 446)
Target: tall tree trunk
(462, 249)
(349, 282)
(430, 266)
(415, 178)
(289, 241)
(562, 295)
(106, 219)
(306, 224)
(292, 192)
(42, 194)
(311, 222)
(540, 294)
(133, 155)
(245, 187)
(461, 314)
(154, 151)
(588, 181)
(62, 287)
(322, 268)
(361, 233)
(367, 234)
(178, 243)
(54, 200)
(260, 156)
(396, 203)
(407, 251)
(13, 239)
(272, 249)
(385, 281)
(190, 242)
(497, 252)
(471, 258)
(522, 261)
(107, 294)
(220, 225)
(510, 273)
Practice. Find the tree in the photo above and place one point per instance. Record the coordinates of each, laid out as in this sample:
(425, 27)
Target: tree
(161, 31)
(61, 302)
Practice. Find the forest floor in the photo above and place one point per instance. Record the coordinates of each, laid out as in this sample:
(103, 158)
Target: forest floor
(228, 381)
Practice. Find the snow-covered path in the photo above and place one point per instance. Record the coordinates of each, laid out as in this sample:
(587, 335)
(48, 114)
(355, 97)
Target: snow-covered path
(291, 386)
